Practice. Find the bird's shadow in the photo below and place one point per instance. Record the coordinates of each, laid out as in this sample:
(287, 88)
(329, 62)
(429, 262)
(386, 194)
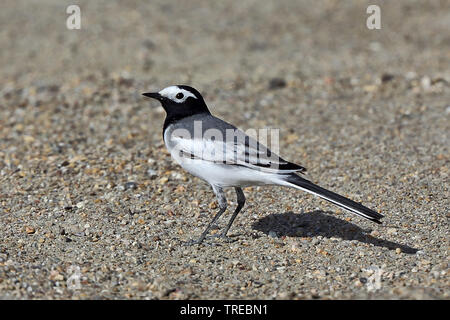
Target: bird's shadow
(318, 223)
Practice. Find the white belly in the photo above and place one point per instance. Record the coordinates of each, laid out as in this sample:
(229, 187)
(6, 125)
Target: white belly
(226, 175)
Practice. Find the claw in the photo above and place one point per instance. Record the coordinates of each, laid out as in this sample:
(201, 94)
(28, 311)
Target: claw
(198, 242)
(227, 239)
(223, 237)
(192, 242)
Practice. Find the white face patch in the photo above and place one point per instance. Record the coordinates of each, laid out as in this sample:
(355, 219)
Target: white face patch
(176, 94)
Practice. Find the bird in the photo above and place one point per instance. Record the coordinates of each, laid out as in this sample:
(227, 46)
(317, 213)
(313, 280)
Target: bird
(225, 157)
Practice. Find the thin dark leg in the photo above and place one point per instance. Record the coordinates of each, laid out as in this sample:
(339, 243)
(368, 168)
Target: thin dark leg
(241, 202)
(222, 205)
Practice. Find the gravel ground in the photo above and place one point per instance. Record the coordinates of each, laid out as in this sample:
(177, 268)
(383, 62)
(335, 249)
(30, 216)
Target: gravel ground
(91, 205)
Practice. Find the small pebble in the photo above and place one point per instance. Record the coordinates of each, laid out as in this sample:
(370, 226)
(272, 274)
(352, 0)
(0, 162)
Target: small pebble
(131, 185)
(277, 83)
(30, 230)
(386, 77)
(273, 234)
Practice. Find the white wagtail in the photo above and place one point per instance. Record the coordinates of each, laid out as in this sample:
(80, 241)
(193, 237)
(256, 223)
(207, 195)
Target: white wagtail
(202, 145)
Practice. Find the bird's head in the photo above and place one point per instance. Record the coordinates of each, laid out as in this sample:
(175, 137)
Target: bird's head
(180, 100)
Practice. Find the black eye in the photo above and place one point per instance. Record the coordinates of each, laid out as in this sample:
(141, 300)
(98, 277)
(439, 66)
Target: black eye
(179, 95)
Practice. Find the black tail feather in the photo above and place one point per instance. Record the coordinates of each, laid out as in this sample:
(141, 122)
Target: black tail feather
(334, 198)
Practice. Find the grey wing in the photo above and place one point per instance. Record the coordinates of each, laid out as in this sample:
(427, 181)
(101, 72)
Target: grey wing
(251, 153)
(232, 146)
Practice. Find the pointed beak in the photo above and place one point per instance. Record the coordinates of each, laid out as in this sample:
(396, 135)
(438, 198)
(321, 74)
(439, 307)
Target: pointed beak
(154, 95)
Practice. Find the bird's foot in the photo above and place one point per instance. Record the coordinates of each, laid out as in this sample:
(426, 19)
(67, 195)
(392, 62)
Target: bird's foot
(192, 242)
(223, 237)
(199, 242)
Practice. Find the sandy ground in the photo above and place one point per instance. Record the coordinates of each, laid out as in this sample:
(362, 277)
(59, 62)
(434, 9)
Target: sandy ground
(92, 206)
